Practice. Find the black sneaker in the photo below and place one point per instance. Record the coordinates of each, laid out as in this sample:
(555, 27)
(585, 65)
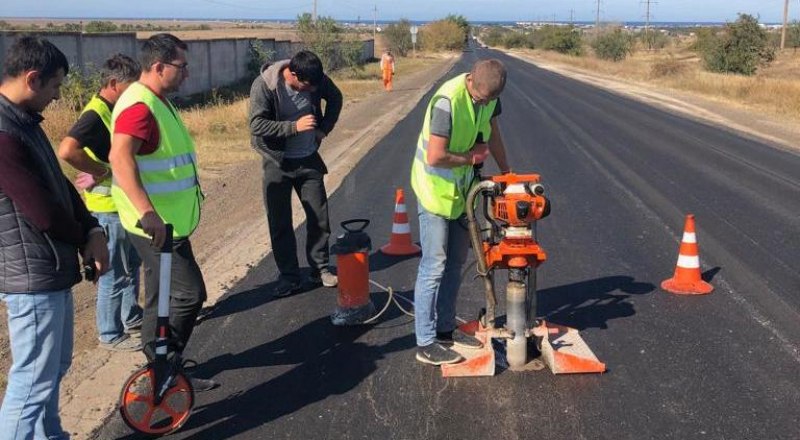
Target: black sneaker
(459, 339)
(437, 354)
(189, 369)
(285, 287)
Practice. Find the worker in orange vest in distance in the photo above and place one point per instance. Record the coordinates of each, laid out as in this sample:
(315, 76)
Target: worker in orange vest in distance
(387, 68)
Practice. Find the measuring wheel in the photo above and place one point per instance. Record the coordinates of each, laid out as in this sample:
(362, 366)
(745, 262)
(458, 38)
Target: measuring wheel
(158, 399)
(144, 412)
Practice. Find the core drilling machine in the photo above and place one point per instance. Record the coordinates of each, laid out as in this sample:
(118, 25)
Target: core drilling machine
(510, 205)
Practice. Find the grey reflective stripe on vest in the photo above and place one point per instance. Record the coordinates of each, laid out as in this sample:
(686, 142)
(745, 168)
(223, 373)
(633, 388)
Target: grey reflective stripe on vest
(444, 173)
(102, 190)
(173, 186)
(166, 164)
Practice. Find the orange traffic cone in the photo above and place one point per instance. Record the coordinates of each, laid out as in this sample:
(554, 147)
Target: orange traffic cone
(687, 280)
(400, 241)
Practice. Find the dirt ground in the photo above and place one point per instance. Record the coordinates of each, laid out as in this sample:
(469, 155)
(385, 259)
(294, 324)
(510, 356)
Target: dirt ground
(233, 234)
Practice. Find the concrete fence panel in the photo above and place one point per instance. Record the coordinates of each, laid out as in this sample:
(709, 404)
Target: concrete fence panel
(223, 62)
(97, 48)
(212, 63)
(198, 57)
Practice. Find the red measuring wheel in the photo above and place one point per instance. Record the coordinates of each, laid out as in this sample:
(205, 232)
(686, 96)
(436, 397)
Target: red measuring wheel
(144, 413)
(158, 398)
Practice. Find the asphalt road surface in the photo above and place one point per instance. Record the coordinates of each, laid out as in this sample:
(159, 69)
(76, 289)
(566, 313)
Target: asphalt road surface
(621, 175)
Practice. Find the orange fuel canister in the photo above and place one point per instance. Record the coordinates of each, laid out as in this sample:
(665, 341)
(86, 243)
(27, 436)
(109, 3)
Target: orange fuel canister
(353, 305)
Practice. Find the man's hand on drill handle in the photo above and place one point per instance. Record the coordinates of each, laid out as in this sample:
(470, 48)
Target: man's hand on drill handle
(479, 153)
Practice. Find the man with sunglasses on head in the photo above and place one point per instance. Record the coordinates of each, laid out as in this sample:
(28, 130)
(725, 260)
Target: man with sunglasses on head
(287, 125)
(154, 165)
(459, 131)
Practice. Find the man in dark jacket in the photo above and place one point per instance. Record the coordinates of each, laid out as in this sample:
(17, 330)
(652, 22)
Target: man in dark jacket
(44, 225)
(287, 126)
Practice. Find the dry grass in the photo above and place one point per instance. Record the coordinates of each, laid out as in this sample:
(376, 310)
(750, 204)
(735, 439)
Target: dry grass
(775, 89)
(357, 86)
(220, 129)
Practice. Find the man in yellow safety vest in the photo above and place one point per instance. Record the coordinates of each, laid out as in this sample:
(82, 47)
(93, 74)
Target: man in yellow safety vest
(86, 148)
(459, 131)
(155, 182)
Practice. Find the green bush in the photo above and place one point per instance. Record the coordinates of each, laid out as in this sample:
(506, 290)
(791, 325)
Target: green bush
(517, 39)
(350, 52)
(614, 45)
(79, 88)
(566, 40)
(321, 37)
(742, 47)
(654, 39)
(793, 35)
(442, 35)
(101, 26)
(494, 36)
(257, 55)
(461, 22)
(398, 37)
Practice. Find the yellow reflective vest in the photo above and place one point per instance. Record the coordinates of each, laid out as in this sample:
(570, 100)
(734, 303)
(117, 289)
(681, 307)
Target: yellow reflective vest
(98, 199)
(169, 175)
(443, 191)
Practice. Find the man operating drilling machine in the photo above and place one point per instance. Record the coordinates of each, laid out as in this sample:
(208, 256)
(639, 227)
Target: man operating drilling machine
(510, 205)
(461, 114)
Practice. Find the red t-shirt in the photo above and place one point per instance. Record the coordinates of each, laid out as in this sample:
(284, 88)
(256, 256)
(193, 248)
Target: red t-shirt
(139, 122)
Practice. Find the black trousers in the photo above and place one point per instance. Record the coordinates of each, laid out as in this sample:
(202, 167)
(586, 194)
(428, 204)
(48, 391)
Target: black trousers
(304, 176)
(187, 293)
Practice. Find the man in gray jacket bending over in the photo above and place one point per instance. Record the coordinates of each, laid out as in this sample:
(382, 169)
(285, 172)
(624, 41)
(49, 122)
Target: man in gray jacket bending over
(287, 126)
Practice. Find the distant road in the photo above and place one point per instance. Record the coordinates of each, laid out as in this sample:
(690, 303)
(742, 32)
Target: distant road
(622, 176)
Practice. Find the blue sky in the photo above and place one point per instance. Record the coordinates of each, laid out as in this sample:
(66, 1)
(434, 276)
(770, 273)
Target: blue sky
(515, 10)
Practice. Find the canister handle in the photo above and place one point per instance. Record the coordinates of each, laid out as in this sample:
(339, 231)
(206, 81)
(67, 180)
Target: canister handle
(362, 221)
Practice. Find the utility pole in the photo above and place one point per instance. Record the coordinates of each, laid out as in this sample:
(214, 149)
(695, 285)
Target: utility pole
(572, 16)
(374, 23)
(314, 14)
(785, 19)
(647, 28)
(597, 19)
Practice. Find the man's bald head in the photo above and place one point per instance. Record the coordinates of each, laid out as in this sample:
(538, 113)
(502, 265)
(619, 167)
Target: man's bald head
(488, 77)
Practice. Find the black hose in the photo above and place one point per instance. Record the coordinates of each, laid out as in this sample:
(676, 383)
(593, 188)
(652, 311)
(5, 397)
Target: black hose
(477, 248)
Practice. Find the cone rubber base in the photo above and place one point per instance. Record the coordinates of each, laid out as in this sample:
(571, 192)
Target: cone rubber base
(565, 351)
(400, 249)
(698, 287)
(477, 362)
